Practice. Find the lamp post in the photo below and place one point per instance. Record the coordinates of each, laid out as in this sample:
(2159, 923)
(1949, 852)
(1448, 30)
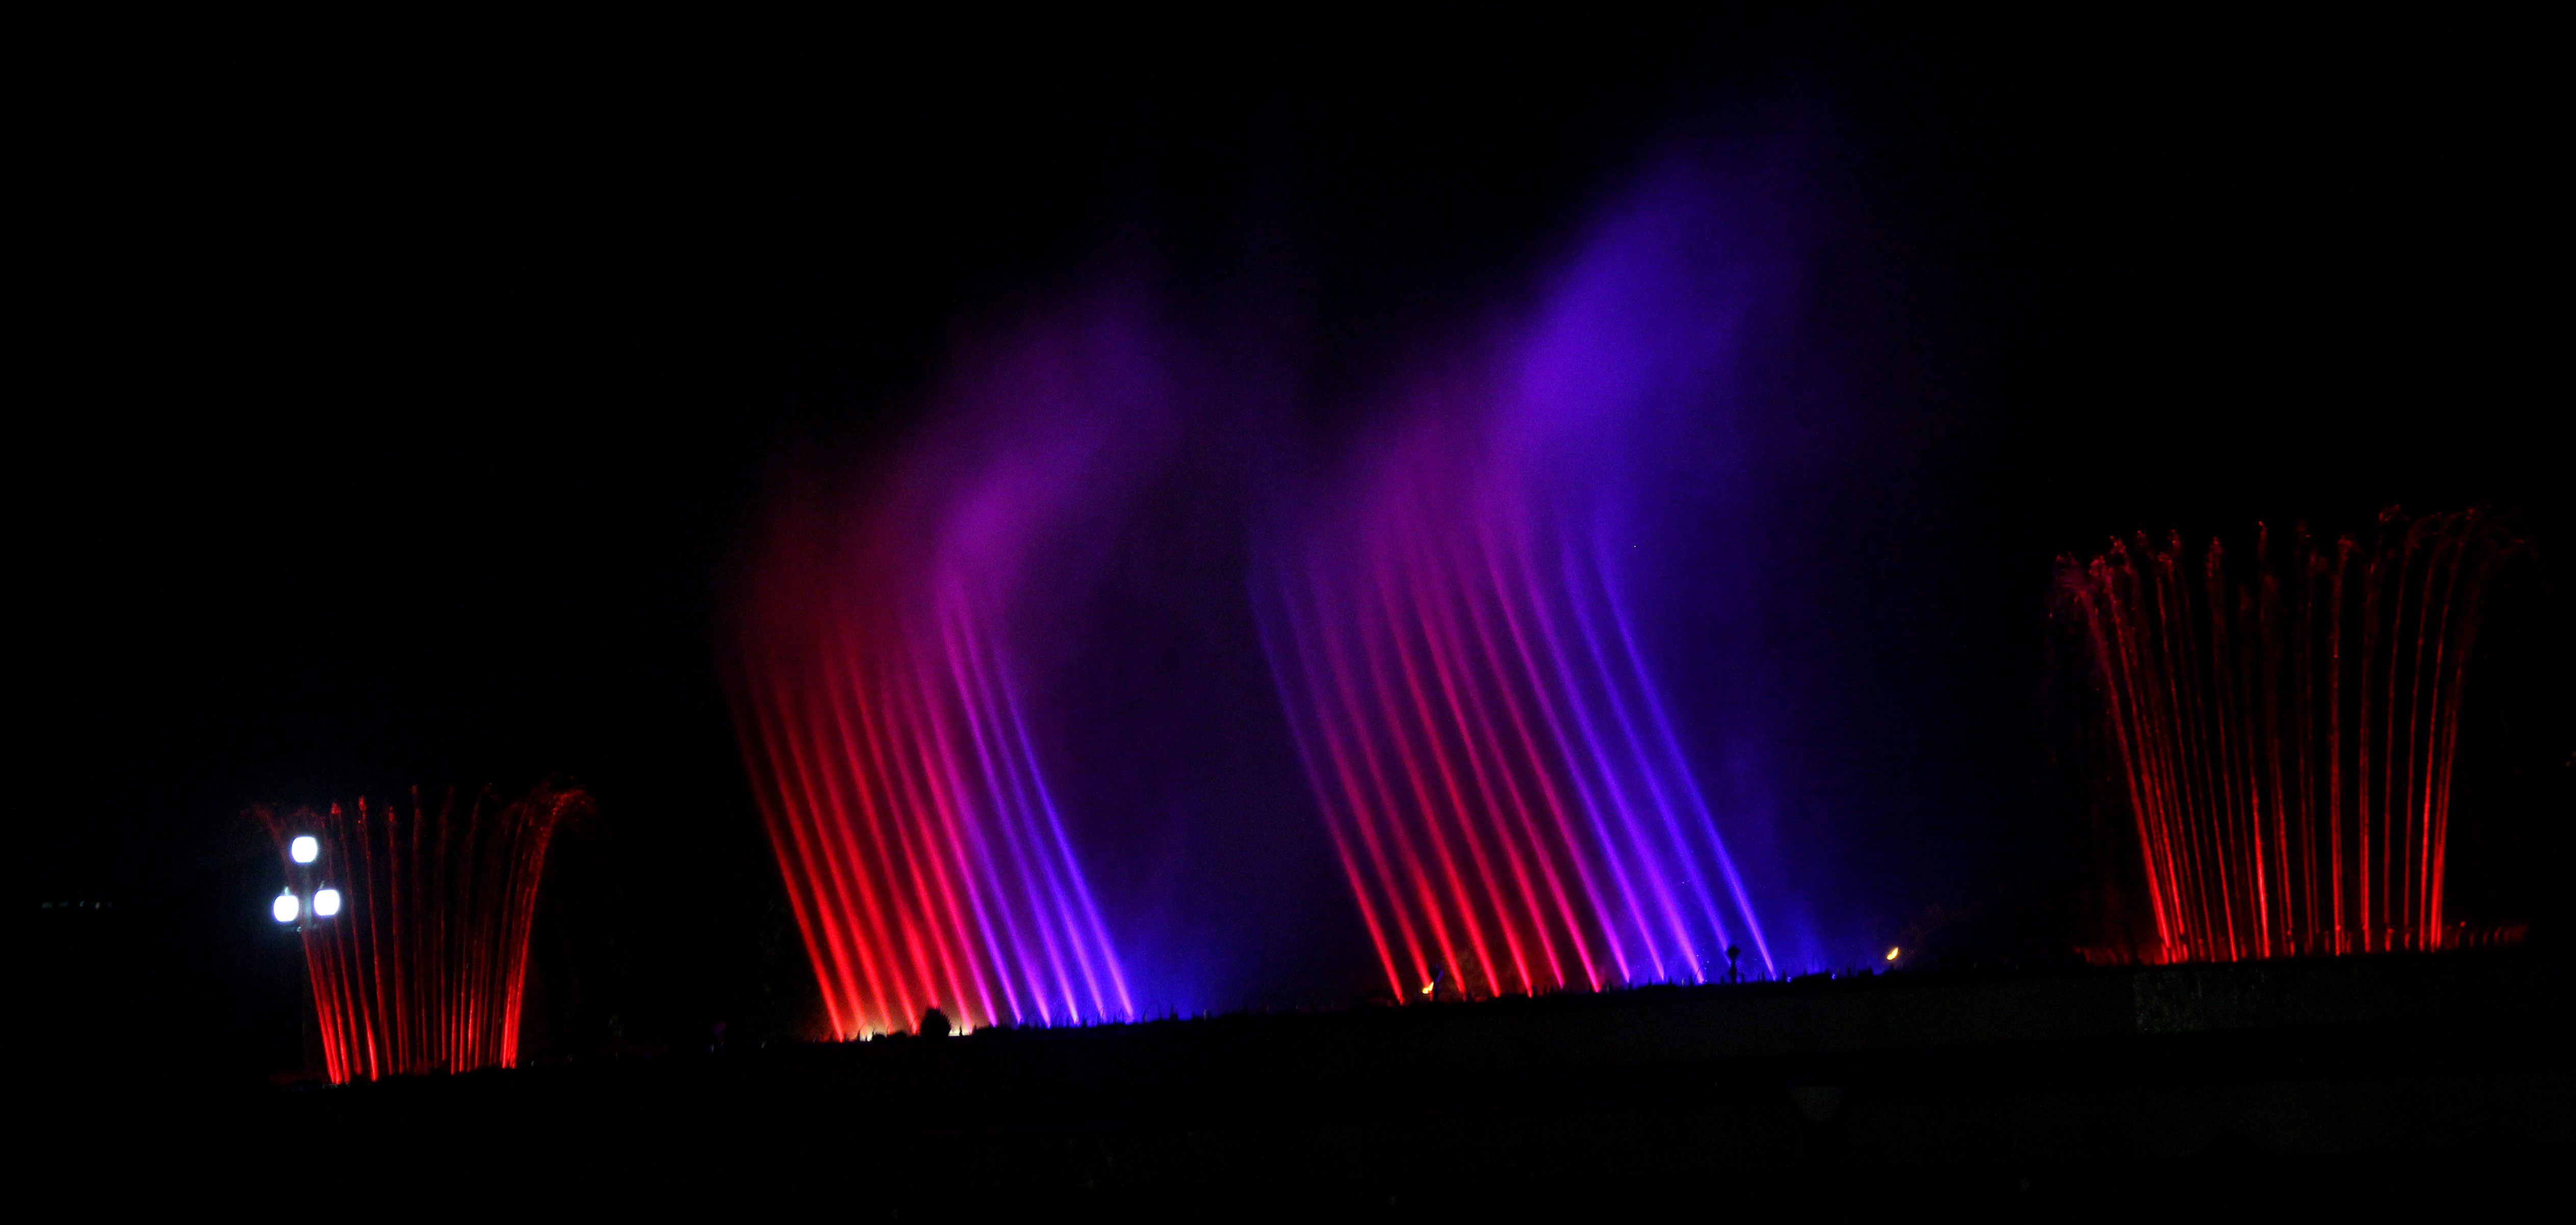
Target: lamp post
(303, 900)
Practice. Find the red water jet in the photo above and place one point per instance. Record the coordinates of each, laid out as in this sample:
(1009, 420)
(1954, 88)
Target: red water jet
(2284, 745)
(424, 967)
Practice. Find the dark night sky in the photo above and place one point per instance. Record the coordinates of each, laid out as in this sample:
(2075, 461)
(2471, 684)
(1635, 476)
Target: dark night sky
(395, 413)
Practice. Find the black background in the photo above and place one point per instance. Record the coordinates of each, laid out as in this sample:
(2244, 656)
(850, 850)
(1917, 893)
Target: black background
(391, 406)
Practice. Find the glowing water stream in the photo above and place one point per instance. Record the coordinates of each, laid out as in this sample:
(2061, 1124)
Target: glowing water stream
(2285, 744)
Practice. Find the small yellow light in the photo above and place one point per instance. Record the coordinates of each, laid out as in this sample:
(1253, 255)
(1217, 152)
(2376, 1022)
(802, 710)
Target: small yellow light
(1426, 988)
(1892, 952)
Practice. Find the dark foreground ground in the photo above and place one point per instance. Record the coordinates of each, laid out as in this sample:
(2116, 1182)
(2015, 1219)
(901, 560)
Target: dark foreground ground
(2356, 1080)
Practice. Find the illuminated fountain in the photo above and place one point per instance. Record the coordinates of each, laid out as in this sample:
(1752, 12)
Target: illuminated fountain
(1504, 783)
(1501, 779)
(1445, 618)
(2284, 744)
(924, 856)
(415, 925)
(926, 862)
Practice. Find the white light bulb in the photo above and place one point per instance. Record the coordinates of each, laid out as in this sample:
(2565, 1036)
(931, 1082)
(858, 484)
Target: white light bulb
(326, 903)
(305, 849)
(286, 908)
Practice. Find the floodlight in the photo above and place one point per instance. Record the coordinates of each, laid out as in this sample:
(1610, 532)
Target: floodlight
(305, 849)
(285, 908)
(326, 903)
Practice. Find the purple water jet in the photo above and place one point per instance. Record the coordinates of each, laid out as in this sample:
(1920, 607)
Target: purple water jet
(1508, 795)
